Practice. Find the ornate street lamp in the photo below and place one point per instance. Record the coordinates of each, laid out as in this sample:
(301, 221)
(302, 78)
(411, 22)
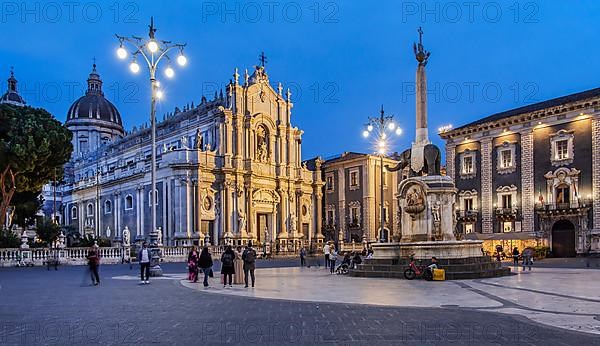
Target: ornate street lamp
(380, 130)
(153, 51)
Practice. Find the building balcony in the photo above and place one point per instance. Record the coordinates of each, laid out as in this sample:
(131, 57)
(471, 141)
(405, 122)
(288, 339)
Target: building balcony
(467, 215)
(506, 214)
(573, 207)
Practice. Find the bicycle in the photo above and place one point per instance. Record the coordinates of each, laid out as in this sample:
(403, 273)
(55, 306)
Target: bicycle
(413, 271)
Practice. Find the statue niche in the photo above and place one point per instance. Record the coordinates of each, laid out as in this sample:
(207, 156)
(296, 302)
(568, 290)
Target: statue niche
(432, 161)
(262, 144)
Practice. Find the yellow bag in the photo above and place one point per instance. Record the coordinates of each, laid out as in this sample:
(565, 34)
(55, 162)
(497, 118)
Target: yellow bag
(439, 275)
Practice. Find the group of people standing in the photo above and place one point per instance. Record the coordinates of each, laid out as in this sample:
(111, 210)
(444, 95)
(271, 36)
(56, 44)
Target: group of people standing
(237, 266)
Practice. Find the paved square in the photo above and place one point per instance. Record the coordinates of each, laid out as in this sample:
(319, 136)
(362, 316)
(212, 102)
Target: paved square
(288, 306)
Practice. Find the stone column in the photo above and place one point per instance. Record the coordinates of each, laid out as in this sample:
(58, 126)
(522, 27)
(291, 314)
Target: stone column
(250, 217)
(188, 208)
(486, 186)
(319, 216)
(596, 171)
(527, 181)
(142, 193)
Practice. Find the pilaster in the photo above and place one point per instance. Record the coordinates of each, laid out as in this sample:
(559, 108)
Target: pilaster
(450, 159)
(596, 170)
(486, 186)
(527, 180)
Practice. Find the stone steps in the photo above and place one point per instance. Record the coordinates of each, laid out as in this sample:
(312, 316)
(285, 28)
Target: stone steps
(456, 269)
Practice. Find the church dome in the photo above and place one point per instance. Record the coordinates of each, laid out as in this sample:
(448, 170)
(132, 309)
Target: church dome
(11, 96)
(94, 108)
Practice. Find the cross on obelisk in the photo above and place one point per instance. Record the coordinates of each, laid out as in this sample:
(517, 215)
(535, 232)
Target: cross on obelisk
(262, 58)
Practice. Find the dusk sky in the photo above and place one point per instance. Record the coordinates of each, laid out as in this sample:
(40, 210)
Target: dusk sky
(341, 59)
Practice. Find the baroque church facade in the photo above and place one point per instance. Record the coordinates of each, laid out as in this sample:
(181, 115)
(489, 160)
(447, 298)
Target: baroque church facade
(229, 171)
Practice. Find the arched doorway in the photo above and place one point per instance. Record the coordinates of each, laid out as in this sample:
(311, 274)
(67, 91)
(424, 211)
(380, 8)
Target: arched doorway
(563, 239)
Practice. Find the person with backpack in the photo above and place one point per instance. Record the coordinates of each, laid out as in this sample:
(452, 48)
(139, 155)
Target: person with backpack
(249, 257)
(227, 266)
(205, 263)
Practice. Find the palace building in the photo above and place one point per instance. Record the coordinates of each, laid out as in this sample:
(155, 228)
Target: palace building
(352, 200)
(531, 176)
(229, 170)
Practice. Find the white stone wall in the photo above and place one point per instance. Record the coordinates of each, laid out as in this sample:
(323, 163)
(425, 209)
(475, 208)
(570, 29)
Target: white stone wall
(527, 181)
(596, 170)
(486, 186)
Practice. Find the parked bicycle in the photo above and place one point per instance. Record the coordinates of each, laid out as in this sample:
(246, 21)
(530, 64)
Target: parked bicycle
(414, 271)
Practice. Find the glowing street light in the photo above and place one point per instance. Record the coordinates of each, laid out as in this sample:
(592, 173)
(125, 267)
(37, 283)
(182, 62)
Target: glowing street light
(152, 51)
(379, 125)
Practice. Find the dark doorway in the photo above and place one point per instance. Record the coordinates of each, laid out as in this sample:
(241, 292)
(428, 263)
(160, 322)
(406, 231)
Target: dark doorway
(563, 239)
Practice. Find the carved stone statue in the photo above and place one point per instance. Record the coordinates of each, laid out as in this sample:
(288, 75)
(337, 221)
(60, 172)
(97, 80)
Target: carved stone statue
(184, 142)
(262, 147)
(241, 221)
(262, 152)
(293, 222)
(126, 237)
(159, 237)
(199, 140)
(432, 161)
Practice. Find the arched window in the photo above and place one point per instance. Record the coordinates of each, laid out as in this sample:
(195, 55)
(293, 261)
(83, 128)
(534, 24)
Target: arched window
(263, 149)
(90, 209)
(150, 197)
(74, 212)
(128, 202)
(107, 207)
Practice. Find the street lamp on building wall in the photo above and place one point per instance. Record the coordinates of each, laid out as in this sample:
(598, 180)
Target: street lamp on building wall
(153, 51)
(380, 129)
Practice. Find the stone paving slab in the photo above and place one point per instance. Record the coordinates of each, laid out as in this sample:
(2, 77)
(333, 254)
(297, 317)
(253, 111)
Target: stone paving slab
(542, 295)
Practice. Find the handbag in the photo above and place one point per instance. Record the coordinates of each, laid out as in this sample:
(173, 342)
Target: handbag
(210, 273)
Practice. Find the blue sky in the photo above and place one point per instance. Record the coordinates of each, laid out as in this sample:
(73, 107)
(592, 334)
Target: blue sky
(342, 59)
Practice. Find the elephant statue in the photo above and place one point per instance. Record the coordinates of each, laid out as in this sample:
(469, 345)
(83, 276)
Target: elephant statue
(432, 156)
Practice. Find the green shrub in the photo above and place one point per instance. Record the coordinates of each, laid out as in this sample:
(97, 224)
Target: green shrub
(9, 240)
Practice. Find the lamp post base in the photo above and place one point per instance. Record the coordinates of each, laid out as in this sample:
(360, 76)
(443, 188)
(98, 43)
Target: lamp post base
(155, 269)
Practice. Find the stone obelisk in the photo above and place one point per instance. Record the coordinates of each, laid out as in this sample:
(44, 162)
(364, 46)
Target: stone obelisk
(417, 160)
(422, 57)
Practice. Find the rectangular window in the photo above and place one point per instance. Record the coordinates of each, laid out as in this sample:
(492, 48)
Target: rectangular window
(468, 204)
(83, 146)
(353, 178)
(354, 215)
(468, 165)
(506, 201)
(506, 159)
(385, 214)
(330, 217)
(562, 149)
(329, 183)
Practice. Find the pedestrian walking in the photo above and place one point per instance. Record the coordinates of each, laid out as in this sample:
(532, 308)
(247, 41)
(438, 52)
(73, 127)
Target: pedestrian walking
(527, 258)
(302, 257)
(205, 263)
(326, 252)
(143, 258)
(93, 257)
(249, 257)
(515, 255)
(332, 258)
(193, 265)
(238, 264)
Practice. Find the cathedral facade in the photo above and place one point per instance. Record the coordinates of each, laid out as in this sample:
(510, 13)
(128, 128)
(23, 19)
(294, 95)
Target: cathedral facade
(229, 170)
